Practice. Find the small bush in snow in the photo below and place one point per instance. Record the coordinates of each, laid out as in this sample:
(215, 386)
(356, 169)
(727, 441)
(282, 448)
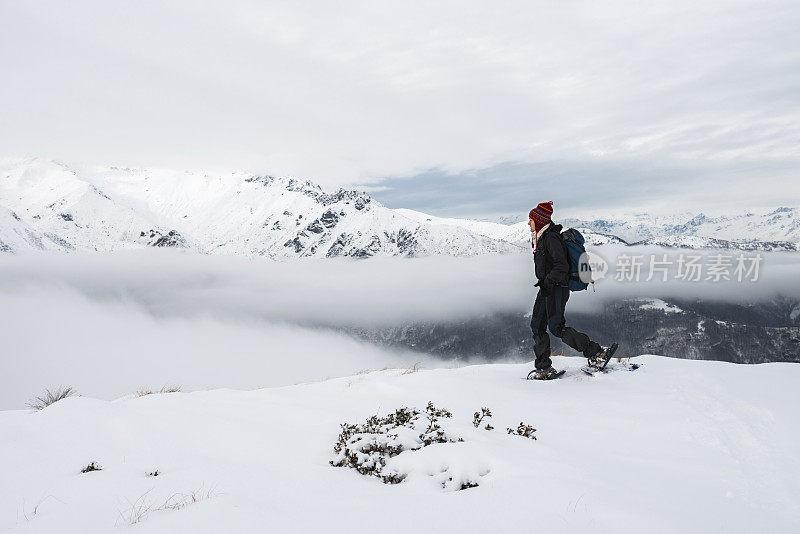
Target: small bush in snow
(49, 397)
(480, 416)
(526, 431)
(153, 473)
(434, 432)
(366, 447)
(93, 466)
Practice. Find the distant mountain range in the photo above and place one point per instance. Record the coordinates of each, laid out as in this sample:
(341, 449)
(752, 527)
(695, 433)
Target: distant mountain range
(46, 205)
(778, 229)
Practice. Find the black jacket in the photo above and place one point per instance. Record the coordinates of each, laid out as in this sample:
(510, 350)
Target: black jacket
(550, 258)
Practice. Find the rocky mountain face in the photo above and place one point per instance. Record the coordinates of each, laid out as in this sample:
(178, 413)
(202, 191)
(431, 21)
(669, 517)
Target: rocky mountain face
(758, 333)
(45, 205)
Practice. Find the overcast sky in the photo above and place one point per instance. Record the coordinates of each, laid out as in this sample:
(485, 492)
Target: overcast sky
(456, 108)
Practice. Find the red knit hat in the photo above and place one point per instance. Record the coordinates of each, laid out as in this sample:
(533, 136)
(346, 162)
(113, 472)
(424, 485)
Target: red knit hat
(541, 214)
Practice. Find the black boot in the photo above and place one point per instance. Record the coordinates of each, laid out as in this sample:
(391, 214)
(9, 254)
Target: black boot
(545, 374)
(600, 360)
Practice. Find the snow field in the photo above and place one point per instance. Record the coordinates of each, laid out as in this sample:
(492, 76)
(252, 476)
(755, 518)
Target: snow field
(677, 445)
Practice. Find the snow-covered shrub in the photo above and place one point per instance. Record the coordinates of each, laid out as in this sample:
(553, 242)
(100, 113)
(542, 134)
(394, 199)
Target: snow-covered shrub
(366, 447)
(93, 466)
(434, 432)
(49, 397)
(526, 431)
(480, 416)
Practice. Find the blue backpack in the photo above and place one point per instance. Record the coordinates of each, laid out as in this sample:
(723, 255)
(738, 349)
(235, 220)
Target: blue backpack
(580, 272)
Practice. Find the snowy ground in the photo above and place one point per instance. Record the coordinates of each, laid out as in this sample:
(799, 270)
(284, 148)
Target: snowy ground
(676, 446)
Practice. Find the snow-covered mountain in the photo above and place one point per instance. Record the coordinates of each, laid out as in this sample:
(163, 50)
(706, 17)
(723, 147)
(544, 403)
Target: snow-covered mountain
(46, 205)
(776, 230)
(518, 233)
(17, 235)
(772, 230)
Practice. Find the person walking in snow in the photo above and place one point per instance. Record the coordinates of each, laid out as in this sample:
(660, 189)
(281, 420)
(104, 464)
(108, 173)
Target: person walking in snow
(552, 264)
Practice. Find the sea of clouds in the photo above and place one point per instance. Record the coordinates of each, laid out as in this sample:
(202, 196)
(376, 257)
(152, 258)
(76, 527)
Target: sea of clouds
(108, 324)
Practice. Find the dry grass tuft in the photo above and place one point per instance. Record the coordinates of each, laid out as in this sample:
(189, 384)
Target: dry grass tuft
(138, 510)
(413, 369)
(35, 511)
(49, 397)
(176, 501)
(141, 508)
(165, 389)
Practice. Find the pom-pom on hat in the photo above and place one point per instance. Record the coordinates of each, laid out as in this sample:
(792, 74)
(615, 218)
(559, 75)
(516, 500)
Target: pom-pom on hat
(541, 214)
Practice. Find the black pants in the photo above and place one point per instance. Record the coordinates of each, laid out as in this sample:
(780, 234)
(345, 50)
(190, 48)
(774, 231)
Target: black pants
(548, 312)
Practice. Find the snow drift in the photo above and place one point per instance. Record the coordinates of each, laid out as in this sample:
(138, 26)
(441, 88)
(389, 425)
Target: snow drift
(676, 446)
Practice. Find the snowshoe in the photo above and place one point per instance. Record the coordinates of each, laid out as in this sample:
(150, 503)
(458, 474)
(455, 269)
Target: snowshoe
(545, 374)
(599, 361)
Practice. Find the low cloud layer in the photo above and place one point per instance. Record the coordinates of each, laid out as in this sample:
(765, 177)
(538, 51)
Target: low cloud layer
(111, 347)
(108, 324)
(363, 293)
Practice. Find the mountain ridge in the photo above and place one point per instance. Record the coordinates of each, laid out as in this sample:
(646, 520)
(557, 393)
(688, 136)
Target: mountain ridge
(50, 206)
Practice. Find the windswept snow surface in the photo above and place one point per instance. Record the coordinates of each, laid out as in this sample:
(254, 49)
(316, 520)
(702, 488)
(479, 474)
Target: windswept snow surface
(677, 446)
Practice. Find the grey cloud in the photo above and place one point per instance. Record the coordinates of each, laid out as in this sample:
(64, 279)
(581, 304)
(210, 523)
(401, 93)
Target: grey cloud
(374, 292)
(592, 187)
(343, 93)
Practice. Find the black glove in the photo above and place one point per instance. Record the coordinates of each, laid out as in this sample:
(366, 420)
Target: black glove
(547, 285)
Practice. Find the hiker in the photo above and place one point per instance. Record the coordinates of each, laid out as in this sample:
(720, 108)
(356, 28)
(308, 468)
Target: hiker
(552, 263)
